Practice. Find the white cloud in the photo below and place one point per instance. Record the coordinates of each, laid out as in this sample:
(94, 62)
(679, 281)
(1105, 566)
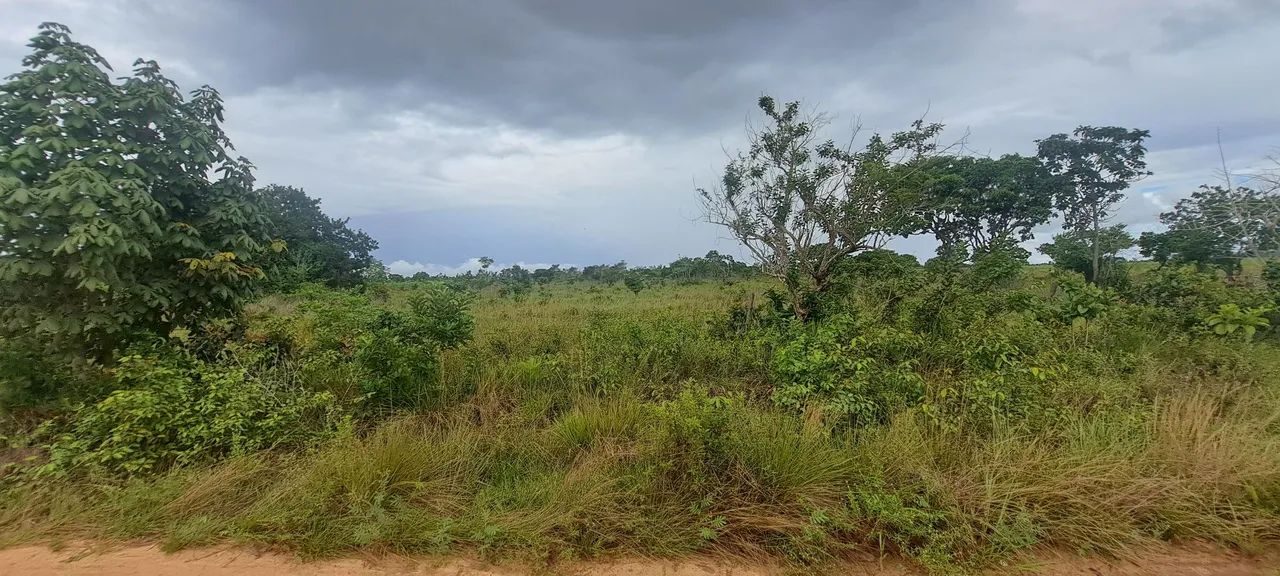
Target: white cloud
(405, 268)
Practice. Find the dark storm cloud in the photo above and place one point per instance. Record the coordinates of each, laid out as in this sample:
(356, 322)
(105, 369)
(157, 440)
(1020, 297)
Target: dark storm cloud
(575, 131)
(583, 66)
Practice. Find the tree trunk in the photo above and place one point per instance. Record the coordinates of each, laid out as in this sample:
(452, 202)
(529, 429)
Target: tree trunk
(797, 300)
(1095, 252)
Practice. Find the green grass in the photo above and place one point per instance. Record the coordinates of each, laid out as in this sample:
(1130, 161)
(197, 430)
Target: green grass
(593, 421)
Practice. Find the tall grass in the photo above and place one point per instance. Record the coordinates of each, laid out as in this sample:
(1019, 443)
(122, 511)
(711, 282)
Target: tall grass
(605, 422)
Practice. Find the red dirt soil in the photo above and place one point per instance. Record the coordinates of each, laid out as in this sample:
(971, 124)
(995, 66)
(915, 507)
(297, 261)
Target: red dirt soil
(150, 561)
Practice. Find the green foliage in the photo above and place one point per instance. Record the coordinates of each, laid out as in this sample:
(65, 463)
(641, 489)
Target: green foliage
(1075, 251)
(31, 377)
(387, 357)
(984, 204)
(110, 220)
(1215, 226)
(711, 266)
(881, 264)
(1084, 302)
(1180, 296)
(169, 409)
(515, 282)
(1001, 265)
(1271, 275)
(859, 374)
(1232, 319)
(801, 205)
(634, 283)
(318, 248)
(1096, 165)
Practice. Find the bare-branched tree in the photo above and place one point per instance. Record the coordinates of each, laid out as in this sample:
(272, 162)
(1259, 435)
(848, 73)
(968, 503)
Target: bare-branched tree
(800, 204)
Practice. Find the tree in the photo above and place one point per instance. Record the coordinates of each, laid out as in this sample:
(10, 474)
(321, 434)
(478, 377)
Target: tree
(110, 220)
(801, 205)
(1215, 226)
(607, 273)
(323, 249)
(986, 204)
(1096, 257)
(516, 282)
(1098, 164)
(634, 282)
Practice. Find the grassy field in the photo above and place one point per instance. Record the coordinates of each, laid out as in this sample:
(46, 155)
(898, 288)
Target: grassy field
(588, 420)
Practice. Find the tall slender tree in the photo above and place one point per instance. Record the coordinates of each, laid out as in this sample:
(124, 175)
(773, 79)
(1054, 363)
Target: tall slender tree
(1099, 164)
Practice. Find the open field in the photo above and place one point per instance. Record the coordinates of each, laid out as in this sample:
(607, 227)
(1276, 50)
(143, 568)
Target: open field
(585, 420)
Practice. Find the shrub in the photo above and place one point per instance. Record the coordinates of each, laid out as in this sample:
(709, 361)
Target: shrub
(1180, 295)
(850, 371)
(390, 356)
(30, 377)
(171, 409)
(1232, 319)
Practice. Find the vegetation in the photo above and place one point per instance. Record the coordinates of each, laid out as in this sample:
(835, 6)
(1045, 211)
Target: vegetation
(318, 248)
(1097, 164)
(801, 205)
(840, 398)
(110, 219)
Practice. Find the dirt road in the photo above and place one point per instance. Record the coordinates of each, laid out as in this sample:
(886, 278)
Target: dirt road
(149, 561)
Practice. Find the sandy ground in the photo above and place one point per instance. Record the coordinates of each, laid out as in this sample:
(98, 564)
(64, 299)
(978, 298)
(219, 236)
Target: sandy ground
(150, 561)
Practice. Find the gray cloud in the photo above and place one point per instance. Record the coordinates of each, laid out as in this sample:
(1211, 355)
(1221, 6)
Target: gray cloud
(575, 131)
(581, 66)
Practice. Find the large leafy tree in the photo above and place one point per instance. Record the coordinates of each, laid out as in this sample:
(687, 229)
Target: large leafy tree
(1098, 164)
(120, 205)
(980, 205)
(318, 248)
(800, 205)
(1215, 226)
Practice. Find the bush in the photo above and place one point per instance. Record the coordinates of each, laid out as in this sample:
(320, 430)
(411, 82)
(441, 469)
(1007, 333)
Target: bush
(386, 357)
(1180, 296)
(172, 410)
(31, 378)
(851, 372)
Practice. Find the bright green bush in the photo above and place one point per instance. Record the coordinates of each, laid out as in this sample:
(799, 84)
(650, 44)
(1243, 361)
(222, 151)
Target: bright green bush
(1231, 319)
(173, 410)
(124, 209)
(848, 370)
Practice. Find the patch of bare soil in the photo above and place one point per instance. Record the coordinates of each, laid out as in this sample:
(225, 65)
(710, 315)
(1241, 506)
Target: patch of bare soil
(150, 561)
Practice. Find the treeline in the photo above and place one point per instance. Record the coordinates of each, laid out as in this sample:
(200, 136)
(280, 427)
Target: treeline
(803, 205)
(517, 280)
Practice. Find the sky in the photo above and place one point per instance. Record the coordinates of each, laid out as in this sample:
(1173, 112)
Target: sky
(576, 131)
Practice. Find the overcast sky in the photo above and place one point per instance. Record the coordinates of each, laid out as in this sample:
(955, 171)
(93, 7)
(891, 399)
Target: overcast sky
(541, 131)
